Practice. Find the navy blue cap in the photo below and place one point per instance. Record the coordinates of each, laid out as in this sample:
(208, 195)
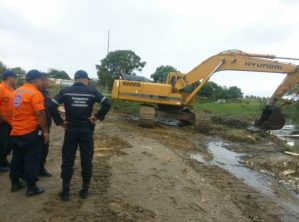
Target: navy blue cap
(33, 74)
(7, 74)
(80, 74)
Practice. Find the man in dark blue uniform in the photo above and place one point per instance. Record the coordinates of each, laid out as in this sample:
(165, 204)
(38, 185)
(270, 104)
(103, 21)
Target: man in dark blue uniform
(53, 113)
(78, 101)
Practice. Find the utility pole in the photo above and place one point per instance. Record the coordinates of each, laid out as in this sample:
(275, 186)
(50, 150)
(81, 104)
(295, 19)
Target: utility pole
(108, 46)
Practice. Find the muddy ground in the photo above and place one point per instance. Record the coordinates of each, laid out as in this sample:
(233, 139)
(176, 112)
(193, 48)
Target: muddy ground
(167, 174)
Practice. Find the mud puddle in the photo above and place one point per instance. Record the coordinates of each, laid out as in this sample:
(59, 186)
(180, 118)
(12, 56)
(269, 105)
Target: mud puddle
(230, 161)
(288, 134)
(264, 184)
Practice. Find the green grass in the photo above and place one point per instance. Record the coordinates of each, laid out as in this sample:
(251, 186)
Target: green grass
(125, 107)
(247, 109)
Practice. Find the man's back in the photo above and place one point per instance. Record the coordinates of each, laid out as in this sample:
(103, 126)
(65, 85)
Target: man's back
(24, 102)
(78, 102)
(5, 93)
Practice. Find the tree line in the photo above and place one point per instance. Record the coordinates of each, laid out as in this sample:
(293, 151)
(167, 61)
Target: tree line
(52, 73)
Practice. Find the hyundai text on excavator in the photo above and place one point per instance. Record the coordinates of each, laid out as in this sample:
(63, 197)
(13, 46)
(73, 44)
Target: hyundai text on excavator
(175, 98)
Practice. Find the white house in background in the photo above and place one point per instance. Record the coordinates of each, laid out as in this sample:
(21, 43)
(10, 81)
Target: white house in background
(62, 82)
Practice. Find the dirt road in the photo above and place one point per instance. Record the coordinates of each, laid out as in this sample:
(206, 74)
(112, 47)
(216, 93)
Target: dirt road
(149, 175)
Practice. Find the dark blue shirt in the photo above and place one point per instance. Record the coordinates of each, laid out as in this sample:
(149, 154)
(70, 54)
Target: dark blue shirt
(78, 101)
(50, 113)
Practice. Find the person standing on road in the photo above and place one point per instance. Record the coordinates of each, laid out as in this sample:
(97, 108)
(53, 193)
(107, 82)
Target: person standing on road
(79, 124)
(49, 113)
(29, 127)
(9, 82)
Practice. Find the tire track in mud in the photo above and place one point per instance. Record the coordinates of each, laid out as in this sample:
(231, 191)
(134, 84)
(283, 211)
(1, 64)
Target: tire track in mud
(251, 203)
(99, 206)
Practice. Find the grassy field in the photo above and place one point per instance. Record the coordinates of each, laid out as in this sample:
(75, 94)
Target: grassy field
(246, 109)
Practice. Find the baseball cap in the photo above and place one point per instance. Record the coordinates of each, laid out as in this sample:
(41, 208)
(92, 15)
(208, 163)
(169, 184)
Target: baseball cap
(80, 74)
(33, 74)
(7, 74)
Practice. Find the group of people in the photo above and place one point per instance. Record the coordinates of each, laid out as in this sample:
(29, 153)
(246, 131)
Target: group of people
(26, 115)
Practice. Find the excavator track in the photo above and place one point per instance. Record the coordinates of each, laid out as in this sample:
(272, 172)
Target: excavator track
(146, 116)
(177, 117)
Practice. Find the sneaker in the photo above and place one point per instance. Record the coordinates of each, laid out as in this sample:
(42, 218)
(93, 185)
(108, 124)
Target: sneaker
(34, 190)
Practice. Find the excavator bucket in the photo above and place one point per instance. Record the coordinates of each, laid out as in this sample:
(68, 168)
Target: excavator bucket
(271, 119)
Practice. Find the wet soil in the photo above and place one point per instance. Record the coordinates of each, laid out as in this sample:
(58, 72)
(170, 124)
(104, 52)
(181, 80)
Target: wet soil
(154, 175)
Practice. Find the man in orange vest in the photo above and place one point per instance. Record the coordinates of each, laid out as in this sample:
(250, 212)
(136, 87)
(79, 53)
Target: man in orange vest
(7, 86)
(29, 127)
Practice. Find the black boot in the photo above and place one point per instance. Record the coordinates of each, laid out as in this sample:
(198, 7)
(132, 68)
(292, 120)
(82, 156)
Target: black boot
(33, 190)
(65, 193)
(83, 193)
(44, 172)
(16, 186)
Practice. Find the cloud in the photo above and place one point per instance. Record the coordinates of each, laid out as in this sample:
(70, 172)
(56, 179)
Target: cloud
(38, 13)
(71, 35)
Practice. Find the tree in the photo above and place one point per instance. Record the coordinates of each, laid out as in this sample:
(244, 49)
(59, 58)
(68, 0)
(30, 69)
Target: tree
(213, 91)
(2, 68)
(19, 71)
(234, 93)
(116, 64)
(161, 73)
(58, 74)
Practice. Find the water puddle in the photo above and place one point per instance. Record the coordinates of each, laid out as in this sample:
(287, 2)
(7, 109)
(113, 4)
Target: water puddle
(288, 133)
(230, 161)
(265, 184)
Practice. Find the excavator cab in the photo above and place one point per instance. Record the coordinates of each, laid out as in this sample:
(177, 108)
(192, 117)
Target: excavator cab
(271, 119)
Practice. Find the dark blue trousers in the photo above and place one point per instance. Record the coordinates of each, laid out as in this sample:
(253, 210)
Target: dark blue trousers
(26, 157)
(5, 141)
(44, 154)
(74, 137)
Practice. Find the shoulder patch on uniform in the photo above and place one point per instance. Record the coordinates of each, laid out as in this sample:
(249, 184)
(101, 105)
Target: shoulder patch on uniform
(17, 100)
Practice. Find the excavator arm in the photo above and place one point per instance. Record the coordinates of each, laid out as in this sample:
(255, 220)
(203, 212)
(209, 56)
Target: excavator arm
(239, 61)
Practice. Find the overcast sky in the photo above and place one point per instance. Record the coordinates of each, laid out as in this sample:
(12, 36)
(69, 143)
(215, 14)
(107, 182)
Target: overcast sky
(71, 35)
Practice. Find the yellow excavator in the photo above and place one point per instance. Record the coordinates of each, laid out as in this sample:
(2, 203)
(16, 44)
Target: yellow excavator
(177, 94)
